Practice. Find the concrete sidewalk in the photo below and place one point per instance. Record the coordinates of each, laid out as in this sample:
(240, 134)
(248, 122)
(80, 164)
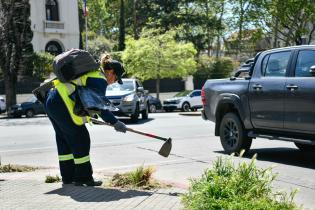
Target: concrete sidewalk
(28, 190)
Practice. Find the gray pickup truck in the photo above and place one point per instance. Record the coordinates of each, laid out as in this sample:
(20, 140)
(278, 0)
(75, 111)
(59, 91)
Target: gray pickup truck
(130, 99)
(275, 101)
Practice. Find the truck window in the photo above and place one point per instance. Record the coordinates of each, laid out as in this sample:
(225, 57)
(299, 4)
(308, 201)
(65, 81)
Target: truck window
(277, 64)
(305, 60)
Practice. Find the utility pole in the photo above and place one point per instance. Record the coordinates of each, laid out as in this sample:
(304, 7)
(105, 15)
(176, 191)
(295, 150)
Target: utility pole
(85, 13)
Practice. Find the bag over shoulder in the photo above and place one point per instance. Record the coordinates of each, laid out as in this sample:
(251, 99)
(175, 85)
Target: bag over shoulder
(72, 64)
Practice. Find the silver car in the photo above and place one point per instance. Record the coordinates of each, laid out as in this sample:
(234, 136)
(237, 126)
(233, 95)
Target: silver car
(129, 98)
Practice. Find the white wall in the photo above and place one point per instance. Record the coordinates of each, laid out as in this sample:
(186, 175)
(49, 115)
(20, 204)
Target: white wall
(68, 13)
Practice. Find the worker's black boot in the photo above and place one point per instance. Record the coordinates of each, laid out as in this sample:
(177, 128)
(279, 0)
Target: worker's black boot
(91, 182)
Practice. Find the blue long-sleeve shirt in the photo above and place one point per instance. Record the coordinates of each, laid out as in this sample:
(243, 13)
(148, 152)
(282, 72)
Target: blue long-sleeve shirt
(100, 85)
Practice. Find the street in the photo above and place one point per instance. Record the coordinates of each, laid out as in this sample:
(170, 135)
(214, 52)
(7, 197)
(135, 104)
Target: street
(31, 142)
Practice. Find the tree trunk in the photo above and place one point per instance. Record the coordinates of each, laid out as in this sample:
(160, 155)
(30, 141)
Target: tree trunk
(10, 93)
(275, 41)
(134, 17)
(121, 45)
(219, 31)
(240, 29)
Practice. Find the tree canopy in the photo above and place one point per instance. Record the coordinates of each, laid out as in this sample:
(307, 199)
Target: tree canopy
(156, 56)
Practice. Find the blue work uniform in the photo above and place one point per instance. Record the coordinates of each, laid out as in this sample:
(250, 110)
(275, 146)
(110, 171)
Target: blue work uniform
(73, 141)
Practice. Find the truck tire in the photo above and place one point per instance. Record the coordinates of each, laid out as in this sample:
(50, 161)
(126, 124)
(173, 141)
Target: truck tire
(152, 108)
(305, 147)
(232, 134)
(186, 107)
(29, 113)
(135, 116)
(145, 113)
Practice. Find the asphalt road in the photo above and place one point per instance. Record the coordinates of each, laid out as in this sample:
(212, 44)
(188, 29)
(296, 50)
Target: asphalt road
(31, 142)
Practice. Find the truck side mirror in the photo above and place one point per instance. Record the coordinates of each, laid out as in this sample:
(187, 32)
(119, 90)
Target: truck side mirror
(140, 89)
(312, 69)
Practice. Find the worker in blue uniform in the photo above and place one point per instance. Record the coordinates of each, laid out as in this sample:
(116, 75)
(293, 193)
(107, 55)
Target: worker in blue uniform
(72, 136)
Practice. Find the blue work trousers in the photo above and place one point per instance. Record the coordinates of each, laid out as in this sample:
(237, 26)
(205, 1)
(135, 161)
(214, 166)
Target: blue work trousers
(73, 141)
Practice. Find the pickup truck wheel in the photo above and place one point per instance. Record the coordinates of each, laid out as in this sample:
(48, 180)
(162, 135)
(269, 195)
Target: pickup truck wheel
(135, 116)
(145, 113)
(29, 113)
(305, 147)
(232, 134)
(152, 108)
(185, 107)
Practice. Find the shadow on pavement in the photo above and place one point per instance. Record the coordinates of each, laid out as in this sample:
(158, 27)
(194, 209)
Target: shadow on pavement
(97, 194)
(287, 156)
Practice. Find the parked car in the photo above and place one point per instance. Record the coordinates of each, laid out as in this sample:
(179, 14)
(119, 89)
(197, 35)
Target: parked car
(129, 98)
(2, 105)
(30, 108)
(154, 104)
(276, 101)
(184, 102)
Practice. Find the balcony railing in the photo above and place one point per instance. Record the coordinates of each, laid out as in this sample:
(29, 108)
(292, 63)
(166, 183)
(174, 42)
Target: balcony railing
(54, 26)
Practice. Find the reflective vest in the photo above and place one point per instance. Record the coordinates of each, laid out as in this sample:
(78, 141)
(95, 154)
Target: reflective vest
(66, 89)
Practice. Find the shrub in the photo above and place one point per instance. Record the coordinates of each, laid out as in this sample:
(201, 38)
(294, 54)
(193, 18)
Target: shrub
(212, 68)
(230, 186)
(52, 179)
(141, 177)
(43, 64)
(16, 168)
(99, 45)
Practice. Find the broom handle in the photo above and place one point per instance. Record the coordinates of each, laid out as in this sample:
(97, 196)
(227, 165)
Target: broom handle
(131, 130)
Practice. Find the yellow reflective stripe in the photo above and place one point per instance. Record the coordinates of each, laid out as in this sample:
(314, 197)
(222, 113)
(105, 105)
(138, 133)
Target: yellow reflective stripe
(82, 160)
(65, 89)
(65, 157)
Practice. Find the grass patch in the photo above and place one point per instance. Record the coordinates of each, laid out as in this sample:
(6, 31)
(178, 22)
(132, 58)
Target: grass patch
(16, 168)
(139, 178)
(52, 179)
(236, 186)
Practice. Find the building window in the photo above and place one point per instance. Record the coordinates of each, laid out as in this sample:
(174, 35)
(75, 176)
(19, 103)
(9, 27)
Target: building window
(53, 48)
(52, 12)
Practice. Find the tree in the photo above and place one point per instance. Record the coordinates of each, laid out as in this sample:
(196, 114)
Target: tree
(156, 56)
(243, 15)
(15, 43)
(289, 20)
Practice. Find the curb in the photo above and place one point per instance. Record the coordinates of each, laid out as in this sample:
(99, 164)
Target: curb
(190, 114)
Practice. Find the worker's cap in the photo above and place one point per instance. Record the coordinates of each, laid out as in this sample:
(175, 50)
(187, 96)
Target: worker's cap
(117, 67)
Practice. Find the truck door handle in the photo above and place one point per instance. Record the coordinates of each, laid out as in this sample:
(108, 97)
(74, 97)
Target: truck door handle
(257, 87)
(292, 87)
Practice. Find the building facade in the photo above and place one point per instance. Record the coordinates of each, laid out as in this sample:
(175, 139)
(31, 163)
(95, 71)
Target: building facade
(55, 25)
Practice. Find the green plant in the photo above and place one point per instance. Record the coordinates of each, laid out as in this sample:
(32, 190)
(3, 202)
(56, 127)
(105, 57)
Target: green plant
(43, 64)
(52, 179)
(230, 186)
(15, 168)
(99, 45)
(141, 177)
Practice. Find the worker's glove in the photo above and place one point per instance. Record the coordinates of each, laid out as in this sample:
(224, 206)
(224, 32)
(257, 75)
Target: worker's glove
(120, 126)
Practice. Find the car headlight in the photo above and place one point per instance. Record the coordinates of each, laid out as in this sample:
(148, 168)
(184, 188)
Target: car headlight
(177, 101)
(19, 108)
(129, 98)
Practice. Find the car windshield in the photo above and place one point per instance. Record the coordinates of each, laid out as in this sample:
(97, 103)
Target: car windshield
(126, 86)
(183, 93)
(32, 99)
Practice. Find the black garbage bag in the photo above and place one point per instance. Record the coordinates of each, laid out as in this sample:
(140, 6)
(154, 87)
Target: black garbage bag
(89, 101)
